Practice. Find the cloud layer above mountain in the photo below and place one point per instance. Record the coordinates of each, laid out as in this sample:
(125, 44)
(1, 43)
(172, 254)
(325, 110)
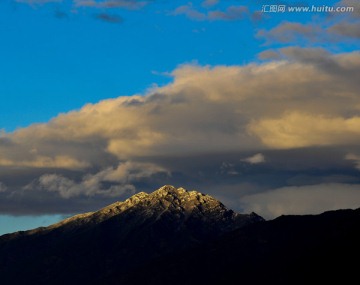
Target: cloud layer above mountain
(306, 99)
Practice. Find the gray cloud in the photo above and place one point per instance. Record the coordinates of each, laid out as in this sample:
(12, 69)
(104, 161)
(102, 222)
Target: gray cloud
(351, 3)
(332, 29)
(3, 187)
(351, 30)
(316, 57)
(115, 19)
(190, 12)
(128, 4)
(5, 142)
(232, 13)
(34, 2)
(312, 199)
(257, 16)
(222, 175)
(209, 3)
(120, 181)
(60, 14)
(300, 111)
(269, 54)
(288, 32)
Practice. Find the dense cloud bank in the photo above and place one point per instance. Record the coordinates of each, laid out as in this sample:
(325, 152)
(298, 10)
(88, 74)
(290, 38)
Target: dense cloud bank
(234, 131)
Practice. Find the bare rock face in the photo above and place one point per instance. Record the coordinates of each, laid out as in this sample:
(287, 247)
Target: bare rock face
(180, 208)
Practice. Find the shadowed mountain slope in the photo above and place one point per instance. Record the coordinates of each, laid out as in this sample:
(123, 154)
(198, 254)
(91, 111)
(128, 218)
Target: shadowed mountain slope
(93, 247)
(178, 237)
(310, 249)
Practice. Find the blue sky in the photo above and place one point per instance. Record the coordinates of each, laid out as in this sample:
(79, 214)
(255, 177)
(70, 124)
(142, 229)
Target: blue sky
(58, 56)
(60, 64)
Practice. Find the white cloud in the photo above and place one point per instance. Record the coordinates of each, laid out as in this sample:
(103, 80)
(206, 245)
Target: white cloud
(309, 99)
(255, 159)
(355, 158)
(120, 181)
(228, 169)
(312, 199)
(3, 187)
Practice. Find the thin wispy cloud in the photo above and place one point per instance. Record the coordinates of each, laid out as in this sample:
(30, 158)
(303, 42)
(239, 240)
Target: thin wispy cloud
(231, 13)
(128, 4)
(289, 32)
(61, 15)
(34, 2)
(114, 19)
(209, 3)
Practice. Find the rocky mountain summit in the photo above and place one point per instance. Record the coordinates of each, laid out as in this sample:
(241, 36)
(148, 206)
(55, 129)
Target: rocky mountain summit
(177, 207)
(117, 238)
(180, 204)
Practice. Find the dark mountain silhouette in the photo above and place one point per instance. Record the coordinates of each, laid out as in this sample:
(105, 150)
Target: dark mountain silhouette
(173, 236)
(93, 247)
(309, 249)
